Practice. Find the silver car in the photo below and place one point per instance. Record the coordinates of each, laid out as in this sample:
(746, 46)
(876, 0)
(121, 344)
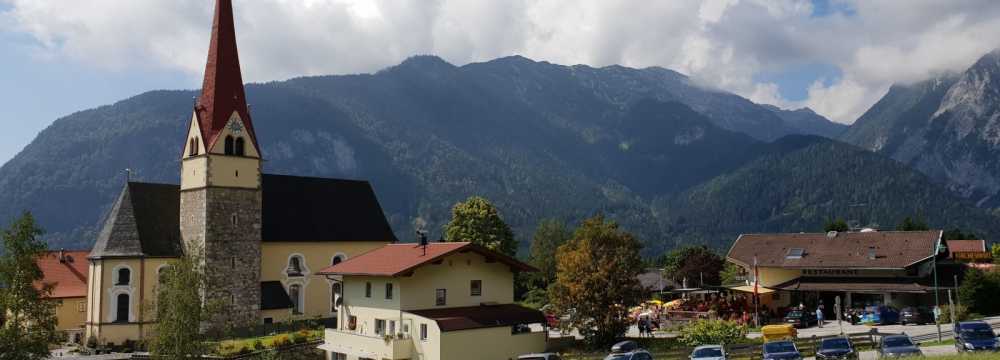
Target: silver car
(628, 350)
(708, 352)
(540, 356)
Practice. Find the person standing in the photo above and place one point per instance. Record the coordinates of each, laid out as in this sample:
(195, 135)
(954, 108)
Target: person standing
(819, 316)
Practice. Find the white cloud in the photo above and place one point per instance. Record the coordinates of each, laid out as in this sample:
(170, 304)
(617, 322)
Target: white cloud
(721, 43)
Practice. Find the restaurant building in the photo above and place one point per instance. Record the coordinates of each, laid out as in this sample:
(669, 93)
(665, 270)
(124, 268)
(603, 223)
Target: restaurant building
(866, 268)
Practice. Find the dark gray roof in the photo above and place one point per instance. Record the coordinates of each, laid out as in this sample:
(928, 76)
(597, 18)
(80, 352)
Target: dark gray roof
(273, 296)
(317, 209)
(145, 219)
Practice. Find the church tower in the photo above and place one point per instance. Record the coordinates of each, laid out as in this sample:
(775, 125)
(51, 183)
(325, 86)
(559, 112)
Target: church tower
(220, 201)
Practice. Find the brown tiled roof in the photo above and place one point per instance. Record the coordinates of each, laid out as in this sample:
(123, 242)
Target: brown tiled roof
(854, 284)
(69, 277)
(222, 91)
(478, 317)
(893, 249)
(966, 245)
(399, 259)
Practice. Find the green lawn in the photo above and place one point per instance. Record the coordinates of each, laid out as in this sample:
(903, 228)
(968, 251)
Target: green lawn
(229, 347)
(978, 356)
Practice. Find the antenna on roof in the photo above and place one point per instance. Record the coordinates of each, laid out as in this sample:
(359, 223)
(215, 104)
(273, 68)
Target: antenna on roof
(422, 234)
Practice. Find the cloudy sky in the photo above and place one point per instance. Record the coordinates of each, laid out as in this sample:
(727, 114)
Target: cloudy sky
(837, 57)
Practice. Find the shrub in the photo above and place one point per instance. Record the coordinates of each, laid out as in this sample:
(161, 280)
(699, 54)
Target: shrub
(280, 341)
(712, 332)
(91, 342)
(961, 312)
(296, 338)
(258, 345)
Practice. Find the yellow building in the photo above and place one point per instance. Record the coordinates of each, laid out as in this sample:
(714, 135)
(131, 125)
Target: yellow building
(440, 301)
(66, 273)
(262, 237)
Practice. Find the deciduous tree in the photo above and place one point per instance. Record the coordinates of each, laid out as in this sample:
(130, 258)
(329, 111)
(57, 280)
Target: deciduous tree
(476, 220)
(912, 224)
(835, 225)
(698, 264)
(28, 323)
(181, 311)
(596, 280)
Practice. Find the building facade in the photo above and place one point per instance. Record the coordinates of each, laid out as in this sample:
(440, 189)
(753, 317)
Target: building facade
(261, 237)
(863, 269)
(440, 301)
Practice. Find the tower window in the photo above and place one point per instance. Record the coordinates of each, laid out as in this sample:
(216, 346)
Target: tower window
(230, 145)
(193, 147)
(240, 145)
(235, 220)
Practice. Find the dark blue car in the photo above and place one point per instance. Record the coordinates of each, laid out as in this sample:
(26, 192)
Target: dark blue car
(781, 350)
(975, 336)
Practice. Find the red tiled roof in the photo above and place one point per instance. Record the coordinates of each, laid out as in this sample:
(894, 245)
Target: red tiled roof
(893, 249)
(966, 245)
(478, 317)
(398, 259)
(222, 91)
(69, 278)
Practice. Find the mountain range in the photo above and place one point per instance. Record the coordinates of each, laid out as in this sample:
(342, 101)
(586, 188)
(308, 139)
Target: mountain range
(673, 161)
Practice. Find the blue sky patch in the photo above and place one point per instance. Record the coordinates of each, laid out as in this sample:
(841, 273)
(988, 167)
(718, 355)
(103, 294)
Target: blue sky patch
(823, 8)
(794, 81)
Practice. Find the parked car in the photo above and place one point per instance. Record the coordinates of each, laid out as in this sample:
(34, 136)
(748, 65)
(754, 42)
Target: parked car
(898, 346)
(628, 350)
(708, 352)
(915, 315)
(801, 319)
(974, 336)
(839, 348)
(781, 350)
(880, 315)
(541, 356)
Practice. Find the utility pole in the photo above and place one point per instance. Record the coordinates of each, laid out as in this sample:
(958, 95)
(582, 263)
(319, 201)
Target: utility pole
(937, 300)
(957, 297)
(951, 306)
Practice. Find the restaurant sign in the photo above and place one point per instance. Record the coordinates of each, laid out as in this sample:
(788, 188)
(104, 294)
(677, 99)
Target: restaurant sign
(851, 272)
(972, 256)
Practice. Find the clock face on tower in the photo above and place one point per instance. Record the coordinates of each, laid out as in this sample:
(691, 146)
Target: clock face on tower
(236, 127)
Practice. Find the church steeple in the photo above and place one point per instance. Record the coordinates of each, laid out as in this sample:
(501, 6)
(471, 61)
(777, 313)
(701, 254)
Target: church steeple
(222, 93)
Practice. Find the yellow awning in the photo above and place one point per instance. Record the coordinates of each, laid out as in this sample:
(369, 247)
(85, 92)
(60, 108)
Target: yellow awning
(749, 289)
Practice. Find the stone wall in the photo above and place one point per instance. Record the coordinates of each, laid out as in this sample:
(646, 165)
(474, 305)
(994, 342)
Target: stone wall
(225, 223)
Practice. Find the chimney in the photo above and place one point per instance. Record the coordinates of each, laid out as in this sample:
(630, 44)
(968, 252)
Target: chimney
(62, 256)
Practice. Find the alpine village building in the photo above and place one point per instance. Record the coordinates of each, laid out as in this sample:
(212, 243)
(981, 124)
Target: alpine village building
(261, 236)
(864, 269)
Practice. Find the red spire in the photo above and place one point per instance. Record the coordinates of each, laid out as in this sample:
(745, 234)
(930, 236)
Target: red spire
(222, 91)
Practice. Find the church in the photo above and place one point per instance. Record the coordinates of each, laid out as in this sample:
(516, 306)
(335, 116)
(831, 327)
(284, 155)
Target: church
(261, 236)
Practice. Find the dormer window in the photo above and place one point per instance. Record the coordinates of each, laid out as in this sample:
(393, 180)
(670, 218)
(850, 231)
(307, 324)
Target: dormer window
(294, 266)
(230, 145)
(795, 253)
(240, 147)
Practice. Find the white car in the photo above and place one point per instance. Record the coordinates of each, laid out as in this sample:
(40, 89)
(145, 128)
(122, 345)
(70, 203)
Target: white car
(540, 356)
(708, 352)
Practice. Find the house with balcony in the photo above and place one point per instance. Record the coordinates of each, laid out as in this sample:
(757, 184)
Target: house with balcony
(437, 301)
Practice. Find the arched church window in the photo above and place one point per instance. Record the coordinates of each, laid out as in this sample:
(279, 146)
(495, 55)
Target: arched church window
(124, 276)
(337, 260)
(240, 145)
(230, 144)
(295, 295)
(294, 266)
(121, 308)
